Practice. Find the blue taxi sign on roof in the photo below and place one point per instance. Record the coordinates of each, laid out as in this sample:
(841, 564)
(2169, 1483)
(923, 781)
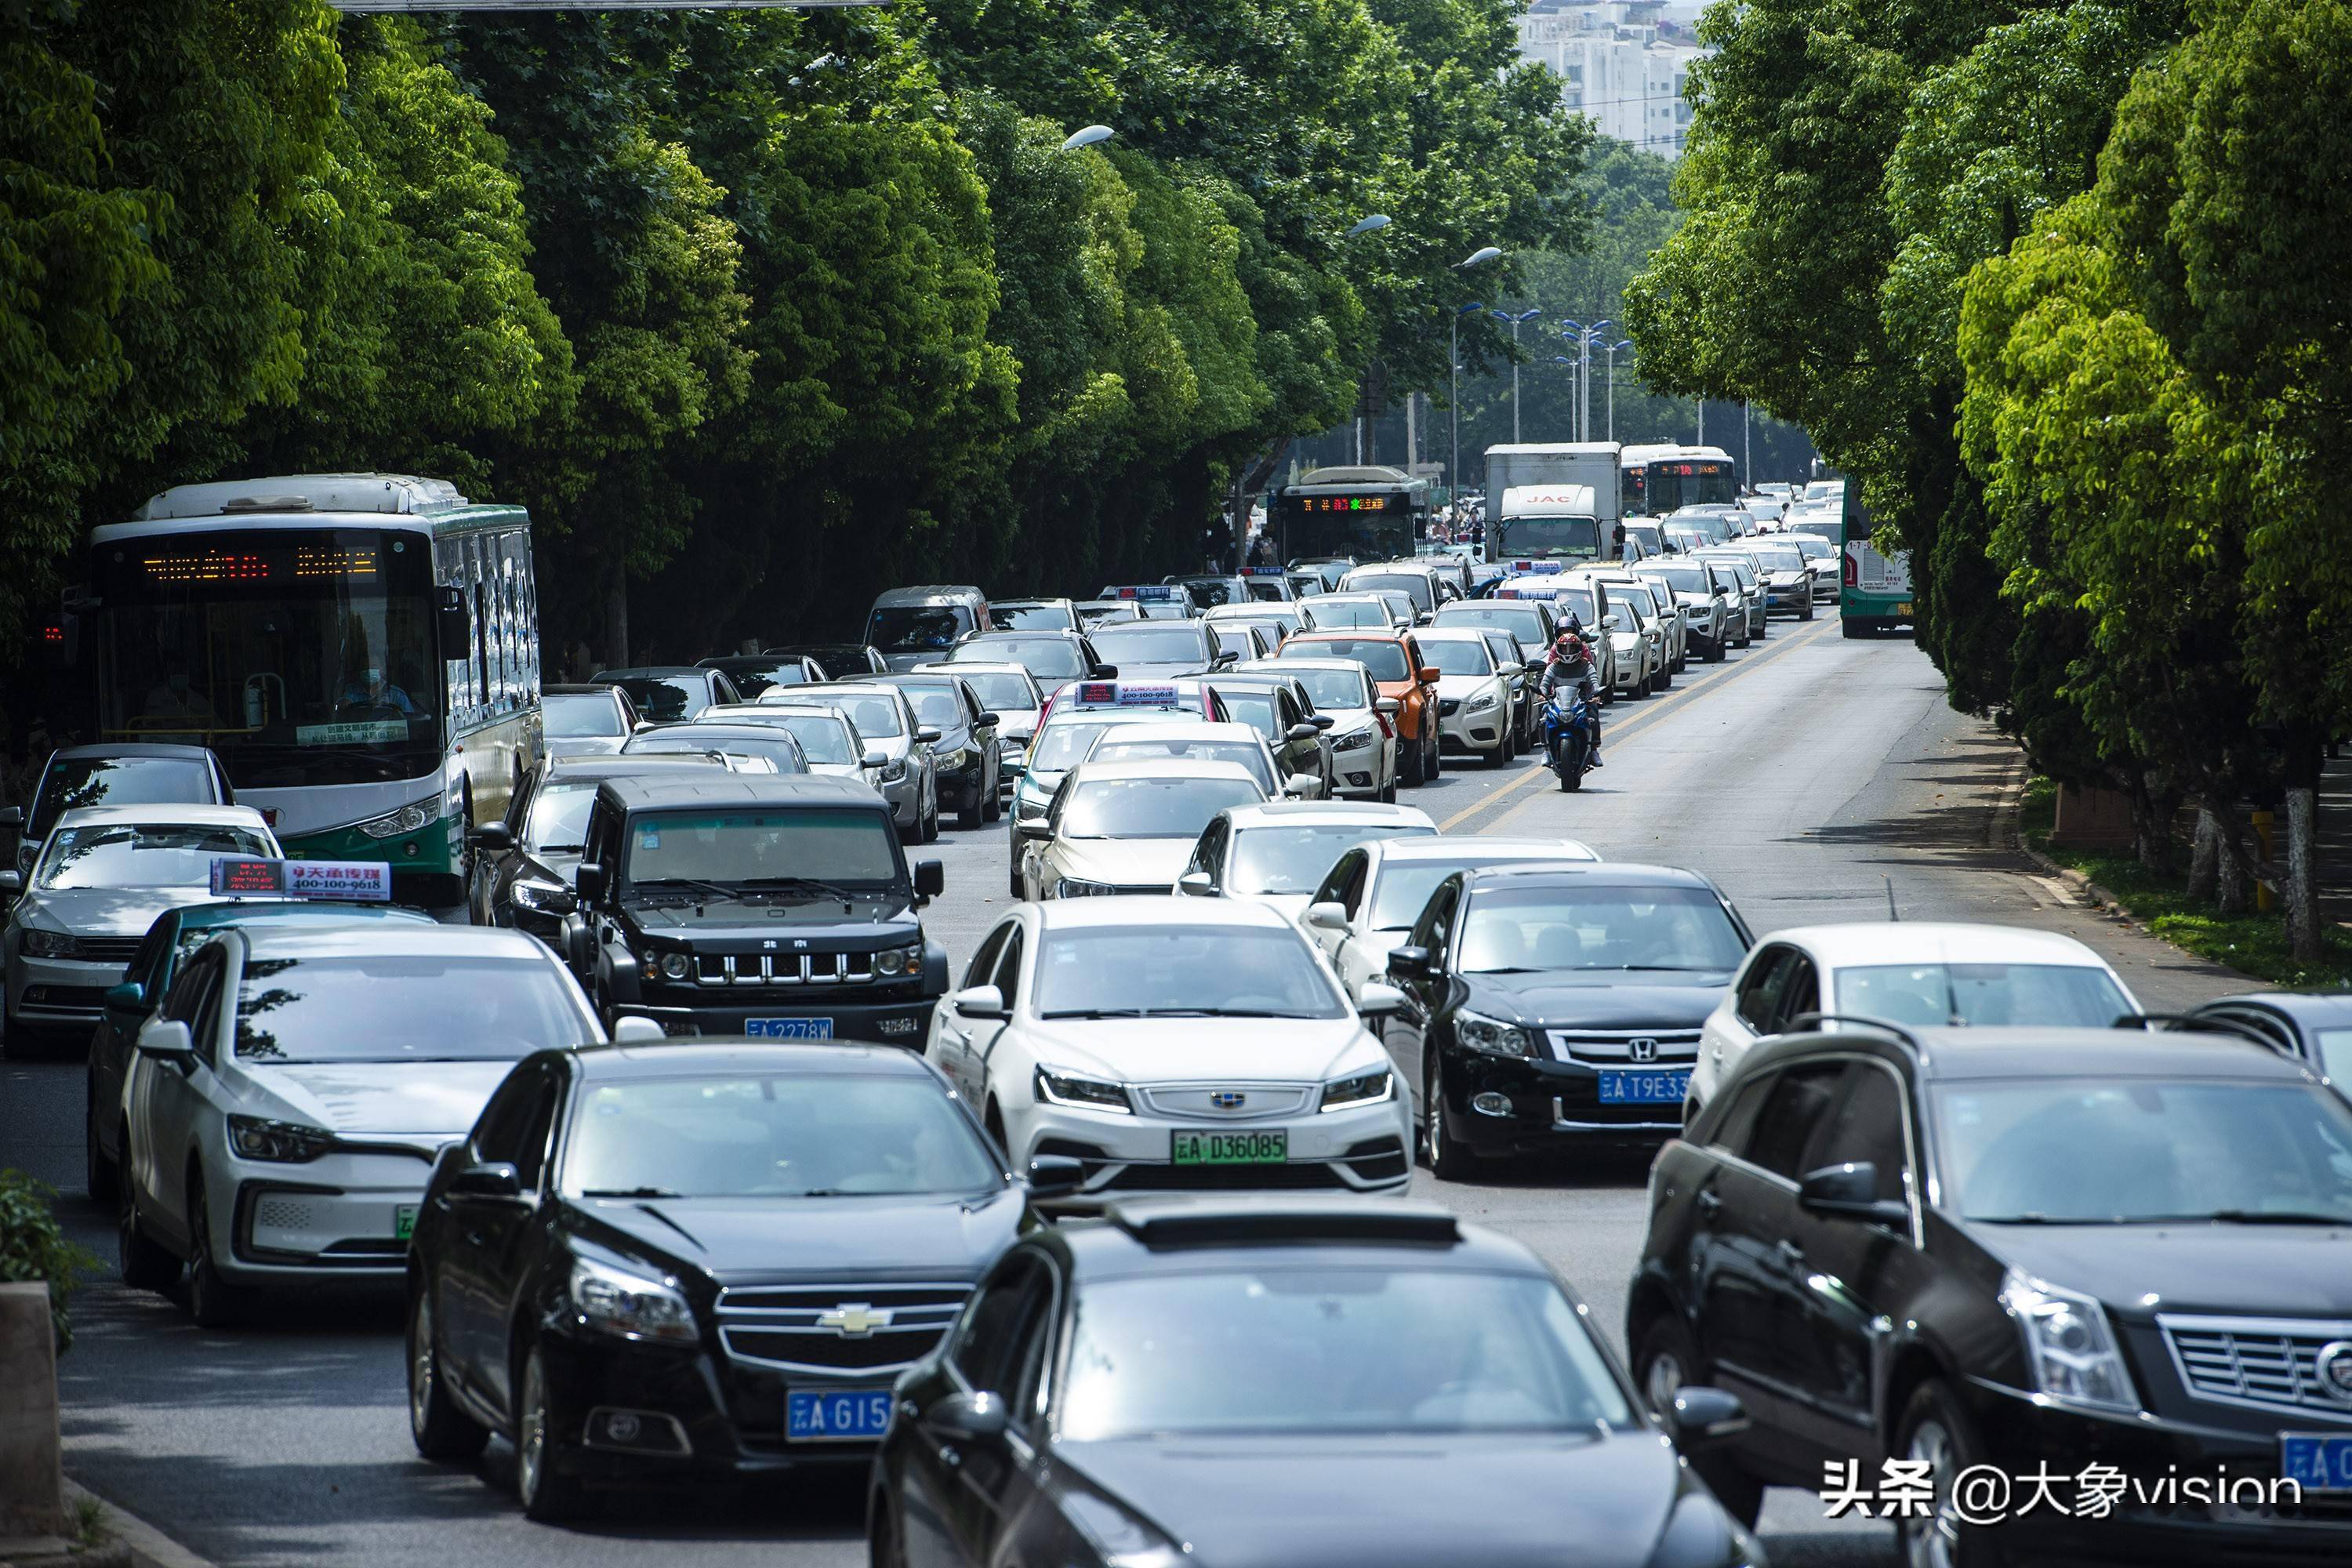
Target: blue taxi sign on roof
(1155, 590)
(1264, 571)
(1536, 567)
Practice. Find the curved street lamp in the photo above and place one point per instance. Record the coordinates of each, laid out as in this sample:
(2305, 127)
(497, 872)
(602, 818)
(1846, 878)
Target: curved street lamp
(1087, 137)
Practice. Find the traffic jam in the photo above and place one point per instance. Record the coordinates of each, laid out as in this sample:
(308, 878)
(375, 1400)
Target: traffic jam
(600, 1024)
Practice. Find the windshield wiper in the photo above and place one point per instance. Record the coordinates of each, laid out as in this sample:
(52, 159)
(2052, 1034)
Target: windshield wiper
(2251, 1216)
(1219, 1013)
(1653, 968)
(628, 1192)
(810, 884)
(682, 884)
(559, 849)
(1097, 1013)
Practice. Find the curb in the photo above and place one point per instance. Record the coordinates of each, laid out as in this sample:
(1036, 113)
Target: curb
(149, 1547)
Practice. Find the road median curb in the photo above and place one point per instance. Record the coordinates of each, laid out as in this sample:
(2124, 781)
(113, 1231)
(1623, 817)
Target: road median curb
(147, 1546)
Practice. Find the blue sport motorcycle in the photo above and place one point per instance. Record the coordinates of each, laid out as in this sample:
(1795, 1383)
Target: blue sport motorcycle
(1569, 733)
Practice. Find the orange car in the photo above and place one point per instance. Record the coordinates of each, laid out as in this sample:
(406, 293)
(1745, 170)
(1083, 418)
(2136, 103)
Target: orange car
(1393, 660)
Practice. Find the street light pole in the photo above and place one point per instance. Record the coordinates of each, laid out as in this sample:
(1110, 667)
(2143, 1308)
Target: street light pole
(1623, 343)
(1478, 258)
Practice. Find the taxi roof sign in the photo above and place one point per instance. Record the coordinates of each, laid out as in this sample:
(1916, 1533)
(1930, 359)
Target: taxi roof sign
(366, 880)
(1265, 571)
(1126, 694)
(1538, 567)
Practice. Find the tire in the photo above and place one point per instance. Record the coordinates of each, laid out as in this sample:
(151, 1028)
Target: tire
(1016, 878)
(973, 813)
(1932, 1424)
(1436, 755)
(1807, 613)
(1388, 791)
(1448, 1159)
(101, 1175)
(1853, 630)
(1667, 1360)
(212, 1301)
(547, 1497)
(1719, 653)
(143, 1261)
(1502, 752)
(442, 1432)
(1413, 769)
(929, 830)
(993, 807)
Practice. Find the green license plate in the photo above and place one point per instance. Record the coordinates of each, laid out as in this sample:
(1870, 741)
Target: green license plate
(1205, 1147)
(404, 1222)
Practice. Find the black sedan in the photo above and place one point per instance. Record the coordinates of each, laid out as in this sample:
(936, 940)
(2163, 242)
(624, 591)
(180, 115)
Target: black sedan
(652, 1266)
(743, 748)
(1289, 1383)
(670, 694)
(968, 753)
(1548, 1006)
(840, 660)
(753, 673)
(2108, 1257)
(2316, 1025)
(521, 867)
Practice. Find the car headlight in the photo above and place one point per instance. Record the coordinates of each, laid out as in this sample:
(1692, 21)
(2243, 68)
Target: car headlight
(894, 771)
(407, 819)
(953, 760)
(39, 943)
(281, 1142)
(1492, 1037)
(634, 1306)
(1480, 704)
(1057, 1088)
(1025, 809)
(543, 897)
(1076, 887)
(2070, 1351)
(669, 966)
(893, 962)
(1364, 1088)
(1353, 741)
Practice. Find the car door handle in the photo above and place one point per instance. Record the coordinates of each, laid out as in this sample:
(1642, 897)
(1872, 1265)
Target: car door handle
(1791, 1252)
(1709, 1204)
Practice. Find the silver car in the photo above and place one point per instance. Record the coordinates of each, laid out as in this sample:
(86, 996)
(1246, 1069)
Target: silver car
(830, 742)
(100, 879)
(1752, 588)
(909, 777)
(1708, 602)
(1659, 609)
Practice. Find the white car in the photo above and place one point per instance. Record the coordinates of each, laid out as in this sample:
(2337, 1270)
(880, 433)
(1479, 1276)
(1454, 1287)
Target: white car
(1905, 973)
(1362, 737)
(1658, 609)
(1473, 694)
(99, 882)
(1276, 854)
(1230, 742)
(287, 1101)
(1063, 739)
(1174, 1044)
(1707, 605)
(1127, 827)
(828, 738)
(1636, 645)
(1372, 893)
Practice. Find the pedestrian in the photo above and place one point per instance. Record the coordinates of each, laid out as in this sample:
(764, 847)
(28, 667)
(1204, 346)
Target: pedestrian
(1618, 537)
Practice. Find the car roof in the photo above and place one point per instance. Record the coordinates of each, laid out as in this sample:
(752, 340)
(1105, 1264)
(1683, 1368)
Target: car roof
(648, 672)
(615, 767)
(1444, 848)
(1453, 634)
(1609, 873)
(1180, 1234)
(761, 712)
(928, 593)
(399, 939)
(704, 1054)
(1348, 633)
(871, 686)
(749, 660)
(723, 726)
(1341, 812)
(1165, 768)
(236, 911)
(1159, 909)
(2305, 1007)
(973, 667)
(1287, 665)
(165, 813)
(1929, 941)
(578, 688)
(1204, 730)
(655, 794)
(1006, 634)
(157, 749)
(1953, 1054)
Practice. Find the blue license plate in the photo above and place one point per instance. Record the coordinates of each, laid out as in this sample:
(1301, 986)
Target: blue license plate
(2316, 1464)
(790, 1029)
(857, 1414)
(1632, 1086)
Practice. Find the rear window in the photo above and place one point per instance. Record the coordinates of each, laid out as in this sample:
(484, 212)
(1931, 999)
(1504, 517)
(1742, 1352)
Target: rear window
(1382, 657)
(909, 628)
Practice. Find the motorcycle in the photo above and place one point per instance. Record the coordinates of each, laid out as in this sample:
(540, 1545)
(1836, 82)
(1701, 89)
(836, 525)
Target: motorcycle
(1569, 733)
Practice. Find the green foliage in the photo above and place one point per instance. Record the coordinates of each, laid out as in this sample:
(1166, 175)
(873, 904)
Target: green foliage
(32, 1247)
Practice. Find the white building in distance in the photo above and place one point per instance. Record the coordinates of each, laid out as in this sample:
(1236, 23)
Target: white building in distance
(1625, 64)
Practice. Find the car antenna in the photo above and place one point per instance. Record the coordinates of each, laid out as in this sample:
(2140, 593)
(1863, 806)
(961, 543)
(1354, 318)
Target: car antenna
(1894, 915)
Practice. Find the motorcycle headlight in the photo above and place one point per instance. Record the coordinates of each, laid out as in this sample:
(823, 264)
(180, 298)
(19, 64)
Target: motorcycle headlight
(1492, 1037)
(1075, 888)
(894, 962)
(633, 1306)
(39, 943)
(1058, 1088)
(1364, 1088)
(2070, 1351)
(281, 1142)
(407, 819)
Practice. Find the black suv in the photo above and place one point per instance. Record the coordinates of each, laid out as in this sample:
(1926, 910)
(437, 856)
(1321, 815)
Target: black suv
(2029, 1250)
(753, 904)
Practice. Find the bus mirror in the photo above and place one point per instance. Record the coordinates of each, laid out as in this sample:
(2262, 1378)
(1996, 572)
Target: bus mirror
(451, 621)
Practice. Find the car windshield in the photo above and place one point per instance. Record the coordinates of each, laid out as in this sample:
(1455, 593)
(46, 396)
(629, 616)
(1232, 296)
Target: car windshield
(751, 676)
(1111, 747)
(1295, 857)
(2141, 1151)
(1596, 926)
(1744, 571)
(1988, 994)
(1139, 644)
(1682, 579)
(1151, 808)
(1063, 743)
(1382, 657)
(1209, 592)
(785, 1135)
(848, 847)
(1464, 657)
(1576, 602)
(1339, 614)
(76, 782)
(1524, 621)
(909, 628)
(1330, 688)
(877, 718)
(1549, 539)
(1254, 709)
(1639, 598)
(667, 699)
(1305, 1347)
(572, 715)
(1032, 617)
(1002, 691)
(1779, 558)
(777, 752)
(936, 707)
(824, 737)
(1411, 584)
(559, 816)
(1811, 547)
(1172, 969)
(143, 855)
(418, 1008)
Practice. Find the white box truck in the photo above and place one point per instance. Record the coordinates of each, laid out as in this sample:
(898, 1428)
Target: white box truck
(1526, 473)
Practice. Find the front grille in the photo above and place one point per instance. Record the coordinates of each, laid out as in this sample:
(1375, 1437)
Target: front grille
(778, 1325)
(108, 948)
(2271, 1363)
(65, 995)
(784, 969)
(1614, 1047)
(1185, 1100)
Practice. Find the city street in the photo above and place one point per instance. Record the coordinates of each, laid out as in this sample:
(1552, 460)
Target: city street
(1807, 775)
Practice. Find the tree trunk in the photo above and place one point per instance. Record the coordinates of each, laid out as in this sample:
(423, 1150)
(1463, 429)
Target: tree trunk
(2152, 826)
(616, 622)
(2204, 861)
(2299, 885)
(2234, 884)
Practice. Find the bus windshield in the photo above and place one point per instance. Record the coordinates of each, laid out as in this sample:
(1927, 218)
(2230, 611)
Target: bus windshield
(302, 657)
(1548, 539)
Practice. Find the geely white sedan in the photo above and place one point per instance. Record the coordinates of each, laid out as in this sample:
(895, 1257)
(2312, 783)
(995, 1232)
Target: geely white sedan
(1174, 1045)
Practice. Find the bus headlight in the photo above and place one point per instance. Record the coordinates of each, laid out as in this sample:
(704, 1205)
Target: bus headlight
(407, 819)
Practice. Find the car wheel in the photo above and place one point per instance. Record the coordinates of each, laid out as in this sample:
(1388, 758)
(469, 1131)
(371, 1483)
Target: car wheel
(887, 1546)
(1449, 1161)
(1436, 763)
(1934, 1428)
(547, 1497)
(1016, 878)
(993, 807)
(440, 1430)
(1502, 752)
(212, 1301)
(1665, 1363)
(1411, 767)
(144, 1263)
(100, 1175)
(1807, 613)
(974, 810)
(1388, 791)
(930, 828)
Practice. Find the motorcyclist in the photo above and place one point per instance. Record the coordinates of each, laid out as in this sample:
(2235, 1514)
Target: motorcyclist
(1570, 663)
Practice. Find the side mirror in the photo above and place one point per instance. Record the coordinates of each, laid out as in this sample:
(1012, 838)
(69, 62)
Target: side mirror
(979, 1002)
(1378, 1001)
(450, 620)
(590, 879)
(125, 997)
(1386, 705)
(1849, 1192)
(12, 817)
(1328, 915)
(636, 1031)
(579, 946)
(1702, 1417)
(967, 1417)
(12, 881)
(1104, 672)
(926, 736)
(1197, 884)
(875, 757)
(495, 839)
(167, 1040)
(1301, 786)
(1409, 962)
(1055, 1175)
(930, 878)
(1226, 660)
(987, 722)
(496, 1180)
(1430, 674)
(1302, 731)
(1320, 722)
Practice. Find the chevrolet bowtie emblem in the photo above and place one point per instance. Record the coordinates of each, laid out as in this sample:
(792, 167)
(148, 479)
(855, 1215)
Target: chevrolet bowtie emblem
(855, 1319)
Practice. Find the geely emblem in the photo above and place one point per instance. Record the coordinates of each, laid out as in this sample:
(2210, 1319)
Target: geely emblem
(1227, 1100)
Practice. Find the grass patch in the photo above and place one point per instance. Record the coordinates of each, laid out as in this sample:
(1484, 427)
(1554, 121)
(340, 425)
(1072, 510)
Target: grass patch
(2252, 945)
(89, 1522)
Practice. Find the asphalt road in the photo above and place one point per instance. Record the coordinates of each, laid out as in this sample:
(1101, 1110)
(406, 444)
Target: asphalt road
(1805, 776)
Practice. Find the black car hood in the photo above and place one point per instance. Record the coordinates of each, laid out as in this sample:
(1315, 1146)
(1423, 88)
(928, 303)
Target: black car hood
(741, 1240)
(1410, 1502)
(809, 919)
(1600, 998)
(2258, 1270)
